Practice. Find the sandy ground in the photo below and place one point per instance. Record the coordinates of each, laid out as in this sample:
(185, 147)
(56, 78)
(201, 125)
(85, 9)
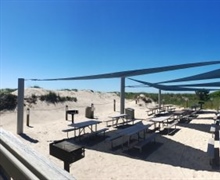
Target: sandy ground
(181, 155)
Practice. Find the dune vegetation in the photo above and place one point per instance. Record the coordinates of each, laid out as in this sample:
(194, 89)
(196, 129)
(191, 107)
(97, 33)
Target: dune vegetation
(8, 101)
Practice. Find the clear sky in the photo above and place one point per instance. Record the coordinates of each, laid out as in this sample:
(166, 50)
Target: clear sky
(67, 38)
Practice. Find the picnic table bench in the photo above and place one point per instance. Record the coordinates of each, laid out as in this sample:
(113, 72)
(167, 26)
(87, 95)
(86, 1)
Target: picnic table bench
(210, 150)
(214, 127)
(213, 153)
(168, 126)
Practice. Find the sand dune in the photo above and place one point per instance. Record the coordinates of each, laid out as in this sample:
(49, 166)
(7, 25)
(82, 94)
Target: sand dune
(178, 156)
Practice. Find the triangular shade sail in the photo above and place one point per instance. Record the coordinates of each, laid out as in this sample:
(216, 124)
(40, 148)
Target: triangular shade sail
(203, 76)
(134, 72)
(169, 88)
(211, 84)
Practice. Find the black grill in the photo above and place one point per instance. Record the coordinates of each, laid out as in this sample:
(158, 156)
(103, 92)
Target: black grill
(66, 151)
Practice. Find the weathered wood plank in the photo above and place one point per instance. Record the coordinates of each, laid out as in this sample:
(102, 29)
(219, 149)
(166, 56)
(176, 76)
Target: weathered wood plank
(39, 165)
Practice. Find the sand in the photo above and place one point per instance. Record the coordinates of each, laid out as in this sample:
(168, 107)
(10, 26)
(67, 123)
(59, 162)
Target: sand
(181, 155)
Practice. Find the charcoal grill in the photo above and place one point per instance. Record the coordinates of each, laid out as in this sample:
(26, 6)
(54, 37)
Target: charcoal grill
(66, 151)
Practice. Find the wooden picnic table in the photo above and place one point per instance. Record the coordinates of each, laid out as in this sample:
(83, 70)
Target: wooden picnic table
(168, 107)
(81, 126)
(178, 114)
(126, 133)
(115, 119)
(160, 120)
(153, 110)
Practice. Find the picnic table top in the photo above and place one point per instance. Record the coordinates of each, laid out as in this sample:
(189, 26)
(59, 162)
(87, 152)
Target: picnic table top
(153, 108)
(160, 118)
(85, 123)
(118, 116)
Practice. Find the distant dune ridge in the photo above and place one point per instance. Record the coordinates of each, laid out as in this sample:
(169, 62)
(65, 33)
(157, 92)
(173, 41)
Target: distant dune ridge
(178, 156)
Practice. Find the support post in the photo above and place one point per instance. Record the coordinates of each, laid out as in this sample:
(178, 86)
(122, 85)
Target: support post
(66, 112)
(114, 107)
(122, 104)
(159, 98)
(92, 110)
(28, 116)
(20, 106)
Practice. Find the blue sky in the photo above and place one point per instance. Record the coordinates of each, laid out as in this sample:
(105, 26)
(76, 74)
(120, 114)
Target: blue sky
(67, 38)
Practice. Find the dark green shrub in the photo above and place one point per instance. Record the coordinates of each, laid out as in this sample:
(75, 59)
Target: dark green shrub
(203, 95)
(215, 94)
(52, 97)
(36, 87)
(130, 95)
(67, 98)
(7, 90)
(32, 99)
(7, 101)
(75, 90)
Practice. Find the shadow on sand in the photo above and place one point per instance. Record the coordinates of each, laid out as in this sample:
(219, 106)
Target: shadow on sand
(28, 138)
(163, 151)
(203, 111)
(179, 155)
(199, 127)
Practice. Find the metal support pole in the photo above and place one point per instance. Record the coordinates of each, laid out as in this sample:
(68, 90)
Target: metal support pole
(114, 107)
(20, 107)
(159, 98)
(122, 107)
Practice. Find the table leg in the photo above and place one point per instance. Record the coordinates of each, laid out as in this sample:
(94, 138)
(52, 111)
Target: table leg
(117, 121)
(66, 166)
(91, 128)
(72, 118)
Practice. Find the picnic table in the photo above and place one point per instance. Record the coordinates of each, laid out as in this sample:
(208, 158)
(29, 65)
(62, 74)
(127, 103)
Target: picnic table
(152, 110)
(169, 107)
(160, 120)
(81, 126)
(164, 120)
(115, 120)
(178, 114)
(127, 133)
